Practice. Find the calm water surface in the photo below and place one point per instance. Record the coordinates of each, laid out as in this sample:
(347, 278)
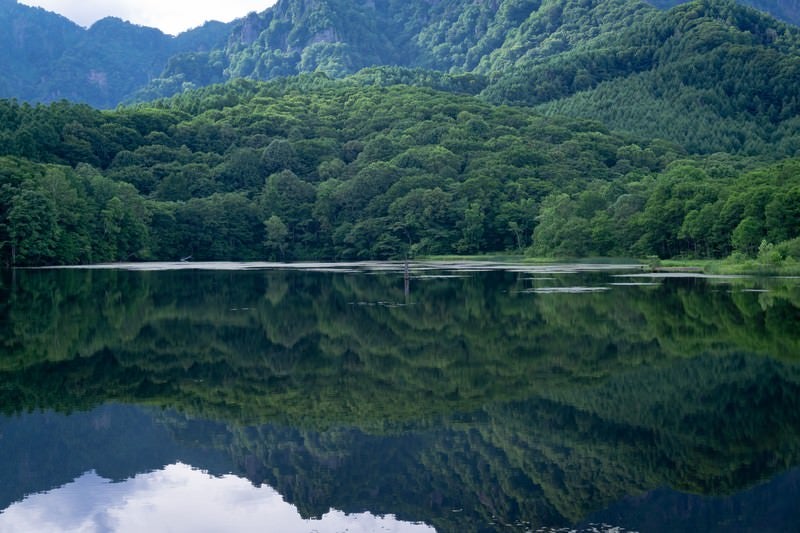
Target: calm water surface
(371, 397)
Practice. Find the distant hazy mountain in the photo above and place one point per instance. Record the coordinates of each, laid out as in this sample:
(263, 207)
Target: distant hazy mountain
(786, 10)
(340, 37)
(47, 57)
(531, 51)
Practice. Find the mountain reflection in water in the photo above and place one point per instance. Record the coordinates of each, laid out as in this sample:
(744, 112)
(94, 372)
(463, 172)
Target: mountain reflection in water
(524, 398)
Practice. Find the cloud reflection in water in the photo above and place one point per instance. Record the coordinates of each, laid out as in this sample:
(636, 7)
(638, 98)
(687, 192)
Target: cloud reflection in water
(176, 499)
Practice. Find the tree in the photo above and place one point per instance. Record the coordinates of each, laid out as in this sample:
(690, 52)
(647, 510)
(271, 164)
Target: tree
(472, 229)
(275, 240)
(782, 215)
(747, 236)
(279, 155)
(33, 229)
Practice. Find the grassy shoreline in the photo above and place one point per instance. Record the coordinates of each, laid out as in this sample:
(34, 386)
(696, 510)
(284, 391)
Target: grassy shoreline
(752, 267)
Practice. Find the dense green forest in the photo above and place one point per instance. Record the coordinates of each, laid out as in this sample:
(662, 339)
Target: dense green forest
(396, 129)
(683, 142)
(478, 394)
(562, 46)
(309, 167)
(731, 73)
(787, 10)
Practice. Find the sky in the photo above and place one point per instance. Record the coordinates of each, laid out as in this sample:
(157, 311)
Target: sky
(170, 16)
(180, 499)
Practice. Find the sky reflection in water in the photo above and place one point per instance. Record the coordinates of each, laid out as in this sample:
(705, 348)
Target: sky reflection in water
(178, 498)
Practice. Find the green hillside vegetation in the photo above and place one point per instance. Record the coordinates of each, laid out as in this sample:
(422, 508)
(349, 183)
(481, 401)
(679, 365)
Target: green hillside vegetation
(342, 36)
(710, 76)
(397, 161)
(552, 128)
(312, 168)
(787, 10)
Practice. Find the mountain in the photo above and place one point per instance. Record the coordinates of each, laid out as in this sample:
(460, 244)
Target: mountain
(786, 10)
(47, 57)
(689, 148)
(710, 75)
(340, 37)
(534, 51)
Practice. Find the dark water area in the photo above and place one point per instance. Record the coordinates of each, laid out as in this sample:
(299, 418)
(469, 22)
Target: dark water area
(374, 397)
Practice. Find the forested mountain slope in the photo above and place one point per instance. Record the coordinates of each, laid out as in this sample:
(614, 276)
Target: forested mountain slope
(339, 37)
(390, 163)
(530, 51)
(787, 10)
(709, 75)
(309, 167)
(47, 57)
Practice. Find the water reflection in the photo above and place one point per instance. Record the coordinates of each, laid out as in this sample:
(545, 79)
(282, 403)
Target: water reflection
(767, 507)
(179, 498)
(466, 400)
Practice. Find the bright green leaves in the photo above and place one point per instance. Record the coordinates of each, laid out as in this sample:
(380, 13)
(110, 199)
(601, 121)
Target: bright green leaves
(33, 230)
(275, 238)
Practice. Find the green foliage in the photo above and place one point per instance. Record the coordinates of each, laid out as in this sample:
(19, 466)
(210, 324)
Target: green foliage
(373, 171)
(684, 212)
(352, 171)
(709, 75)
(782, 9)
(382, 164)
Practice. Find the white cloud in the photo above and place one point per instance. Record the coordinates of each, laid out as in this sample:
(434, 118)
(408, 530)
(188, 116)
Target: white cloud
(171, 16)
(178, 499)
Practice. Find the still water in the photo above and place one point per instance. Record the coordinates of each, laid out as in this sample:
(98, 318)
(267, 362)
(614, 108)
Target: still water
(380, 397)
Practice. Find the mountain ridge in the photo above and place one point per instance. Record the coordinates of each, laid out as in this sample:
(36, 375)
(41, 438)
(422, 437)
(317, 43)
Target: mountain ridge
(786, 10)
(115, 61)
(48, 57)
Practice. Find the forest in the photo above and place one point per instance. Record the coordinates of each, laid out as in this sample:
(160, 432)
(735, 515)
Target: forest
(624, 131)
(310, 167)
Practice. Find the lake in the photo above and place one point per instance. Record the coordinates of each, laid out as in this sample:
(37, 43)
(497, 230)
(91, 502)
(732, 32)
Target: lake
(390, 397)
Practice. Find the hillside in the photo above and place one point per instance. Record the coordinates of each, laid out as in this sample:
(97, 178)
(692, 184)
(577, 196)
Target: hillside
(710, 76)
(316, 168)
(389, 162)
(340, 37)
(529, 51)
(786, 10)
(47, 57)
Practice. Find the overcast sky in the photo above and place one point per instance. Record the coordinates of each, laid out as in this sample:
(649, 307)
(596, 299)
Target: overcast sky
(171, 16)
